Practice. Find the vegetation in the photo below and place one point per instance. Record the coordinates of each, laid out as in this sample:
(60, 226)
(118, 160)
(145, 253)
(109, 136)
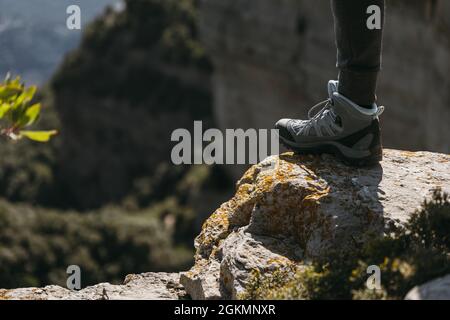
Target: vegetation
(104, 195)
(28, 170)
(17, 113)
(138, 75)
(409, 255)
(37, 245)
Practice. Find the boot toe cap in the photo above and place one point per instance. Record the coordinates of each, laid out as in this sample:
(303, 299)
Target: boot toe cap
(282, 127)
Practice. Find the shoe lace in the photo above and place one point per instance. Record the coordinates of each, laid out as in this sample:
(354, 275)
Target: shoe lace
(326, 105)
(320, 112)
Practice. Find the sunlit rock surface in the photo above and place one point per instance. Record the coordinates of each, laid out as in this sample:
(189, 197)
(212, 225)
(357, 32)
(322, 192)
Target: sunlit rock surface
(146, 286)
(293, 209)
(438, 289)
(288, 210)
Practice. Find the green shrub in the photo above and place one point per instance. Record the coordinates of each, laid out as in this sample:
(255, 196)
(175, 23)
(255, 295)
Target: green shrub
(37, 245)
(409, 255)
(28, 169)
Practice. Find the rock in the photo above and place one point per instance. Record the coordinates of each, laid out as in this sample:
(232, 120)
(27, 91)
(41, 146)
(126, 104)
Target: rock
(288, 210)
(293, 209)
(438, 289)
(272, 59)
(146, 286)
(202, 281)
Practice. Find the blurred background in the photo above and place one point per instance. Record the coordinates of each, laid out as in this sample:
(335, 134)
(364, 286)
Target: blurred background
(104, 194)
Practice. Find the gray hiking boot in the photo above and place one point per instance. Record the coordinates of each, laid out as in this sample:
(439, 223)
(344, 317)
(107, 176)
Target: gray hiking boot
(339, 127)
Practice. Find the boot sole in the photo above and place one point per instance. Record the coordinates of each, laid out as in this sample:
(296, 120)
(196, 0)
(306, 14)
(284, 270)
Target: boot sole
(375, 157)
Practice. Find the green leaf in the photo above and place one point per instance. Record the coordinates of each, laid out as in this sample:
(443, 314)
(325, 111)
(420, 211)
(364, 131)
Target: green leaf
(14, 105)
(14, 82)
(24, 97)
(9, 91)
(31, 115)
(40, 136)
(29, 93)
(4, 108)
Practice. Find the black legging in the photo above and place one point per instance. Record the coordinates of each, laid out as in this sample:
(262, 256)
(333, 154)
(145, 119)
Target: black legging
(359, 49)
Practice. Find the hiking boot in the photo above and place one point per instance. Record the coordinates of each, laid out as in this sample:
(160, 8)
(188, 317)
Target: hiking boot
(337, 126)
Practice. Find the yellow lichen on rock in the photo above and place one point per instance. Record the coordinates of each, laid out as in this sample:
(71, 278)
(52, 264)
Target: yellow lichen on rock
(216, 227)
(290, 210)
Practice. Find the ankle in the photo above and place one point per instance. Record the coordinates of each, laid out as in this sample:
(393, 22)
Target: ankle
(358, 87)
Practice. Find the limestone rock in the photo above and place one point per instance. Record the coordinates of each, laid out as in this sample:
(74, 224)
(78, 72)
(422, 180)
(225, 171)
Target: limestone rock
(146, 286)
(438, 289)
(290, 209)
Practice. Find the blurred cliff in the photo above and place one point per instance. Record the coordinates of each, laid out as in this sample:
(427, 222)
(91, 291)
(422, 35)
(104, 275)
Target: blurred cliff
(137, 76)
(272, 59)
(104, 195)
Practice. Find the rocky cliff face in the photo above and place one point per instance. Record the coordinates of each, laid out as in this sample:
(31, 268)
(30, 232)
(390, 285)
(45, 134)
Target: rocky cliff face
(287, 210)
(272, 59)
(293, 208)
